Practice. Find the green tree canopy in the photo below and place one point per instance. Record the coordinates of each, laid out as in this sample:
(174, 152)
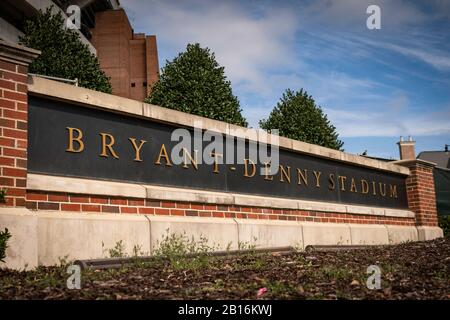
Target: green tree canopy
(296, 116)
(63, 54)
(195, 83)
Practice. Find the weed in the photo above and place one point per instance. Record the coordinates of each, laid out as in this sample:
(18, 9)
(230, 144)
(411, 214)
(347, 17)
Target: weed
(247, 246)
(2, 195)
(4, 237)
(117, 252)
(184, 252)
(279, 289)
(336, 273)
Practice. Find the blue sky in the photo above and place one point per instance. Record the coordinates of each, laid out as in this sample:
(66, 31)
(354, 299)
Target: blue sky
(375, 85)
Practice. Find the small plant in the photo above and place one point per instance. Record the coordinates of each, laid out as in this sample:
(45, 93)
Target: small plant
(137, 251)
(444, 223)
(336, 273)
(4, 237)
(64, 261)
(184, 252)
(247, 246)
(118, 251)
(229, 246)
(2, 195)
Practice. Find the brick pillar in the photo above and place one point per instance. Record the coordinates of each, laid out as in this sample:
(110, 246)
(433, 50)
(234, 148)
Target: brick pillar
(14, 61)
(420, 192)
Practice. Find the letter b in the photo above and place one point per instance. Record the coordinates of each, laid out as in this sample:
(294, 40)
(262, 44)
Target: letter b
(73, 139)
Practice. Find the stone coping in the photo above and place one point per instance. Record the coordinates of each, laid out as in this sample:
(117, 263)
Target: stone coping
(41, 182)
(410, 162)
(17, 53)
(38, 86)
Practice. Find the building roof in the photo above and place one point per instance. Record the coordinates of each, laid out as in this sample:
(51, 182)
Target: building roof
(441, 158)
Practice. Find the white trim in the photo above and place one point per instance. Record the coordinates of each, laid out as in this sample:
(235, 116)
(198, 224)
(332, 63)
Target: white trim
(41, 182)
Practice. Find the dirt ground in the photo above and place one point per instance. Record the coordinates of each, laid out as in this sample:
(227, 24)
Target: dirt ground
(419, 270)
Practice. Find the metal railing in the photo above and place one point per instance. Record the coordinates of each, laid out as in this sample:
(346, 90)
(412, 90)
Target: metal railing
(74, 81)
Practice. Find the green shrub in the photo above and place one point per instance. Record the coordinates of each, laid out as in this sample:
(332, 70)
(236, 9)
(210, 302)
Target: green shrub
(297, 116)
(195, 83)
(444, 223)
(4, 237)
(62, 52)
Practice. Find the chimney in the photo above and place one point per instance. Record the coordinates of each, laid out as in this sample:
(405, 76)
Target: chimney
(406, 148)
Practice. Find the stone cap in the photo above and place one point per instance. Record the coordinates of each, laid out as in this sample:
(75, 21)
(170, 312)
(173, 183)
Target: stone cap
(16, 53)
(54, 90)
(410, 162)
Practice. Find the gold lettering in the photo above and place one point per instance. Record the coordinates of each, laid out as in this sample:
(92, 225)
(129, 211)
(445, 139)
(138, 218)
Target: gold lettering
(317, 175)
(193, 161)
(70, 148)
(364, 186)
(393, 190)
(382, 192)
(342, 180)
(374, 188)
(267, 171)
(302, 176)
(108, 146)
(163, 153)
(285, 174)
(331, 183)
(353, 186)
(216, 161)
(137, 148)
(246, 162)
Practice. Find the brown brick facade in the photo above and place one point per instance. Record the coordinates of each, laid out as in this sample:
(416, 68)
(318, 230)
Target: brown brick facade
(92, 203)
(129, 59)
(13, 126)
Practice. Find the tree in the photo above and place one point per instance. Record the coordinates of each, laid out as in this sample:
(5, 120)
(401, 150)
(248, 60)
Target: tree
(63, 54)
(296, 116)
(195, 83)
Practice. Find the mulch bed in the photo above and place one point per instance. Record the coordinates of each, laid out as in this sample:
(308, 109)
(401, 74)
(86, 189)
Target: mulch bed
(419, 270)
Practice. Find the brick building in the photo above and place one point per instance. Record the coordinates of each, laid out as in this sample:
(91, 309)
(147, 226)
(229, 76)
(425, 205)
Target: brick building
(129, 59)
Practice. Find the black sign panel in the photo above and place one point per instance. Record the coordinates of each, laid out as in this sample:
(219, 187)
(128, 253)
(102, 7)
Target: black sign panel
(70, 140)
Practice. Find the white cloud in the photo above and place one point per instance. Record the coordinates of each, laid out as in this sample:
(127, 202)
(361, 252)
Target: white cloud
(351, 14)
(438, 59)
(248, 44)
(394, 117)
(271, 46)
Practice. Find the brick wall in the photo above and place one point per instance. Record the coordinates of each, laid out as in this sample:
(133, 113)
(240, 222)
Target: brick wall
(120, 205)
(421, 193)
(13, 131)
(13, 172)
